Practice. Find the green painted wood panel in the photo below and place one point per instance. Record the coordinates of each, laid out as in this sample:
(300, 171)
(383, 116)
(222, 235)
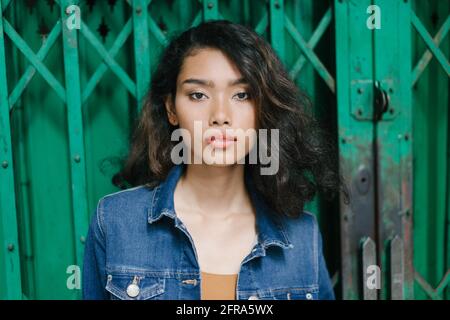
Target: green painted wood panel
(354, 70)
(430, 92)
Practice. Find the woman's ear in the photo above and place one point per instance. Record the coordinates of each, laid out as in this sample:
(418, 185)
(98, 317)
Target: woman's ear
(173, 119)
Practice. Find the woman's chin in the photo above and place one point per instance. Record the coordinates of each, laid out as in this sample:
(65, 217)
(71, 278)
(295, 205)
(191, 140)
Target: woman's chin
(220, 160)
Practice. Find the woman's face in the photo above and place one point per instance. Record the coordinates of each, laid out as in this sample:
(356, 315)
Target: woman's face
(213, 106)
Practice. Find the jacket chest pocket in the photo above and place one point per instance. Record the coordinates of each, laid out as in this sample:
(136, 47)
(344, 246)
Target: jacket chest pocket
(134, 287)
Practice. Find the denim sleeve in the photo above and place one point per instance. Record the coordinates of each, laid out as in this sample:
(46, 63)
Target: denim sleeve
(94, 275)
(326, 291)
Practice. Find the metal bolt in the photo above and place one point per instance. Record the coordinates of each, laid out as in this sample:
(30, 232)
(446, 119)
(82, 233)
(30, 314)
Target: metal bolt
(359, 111)
(400, 136)
(10, 247)
(405, 212)
(5, 164)
(277, 5)
(210, 5)
(77, 158)
(360, 90)
(82, 239)
(138, 9)
(406, 136)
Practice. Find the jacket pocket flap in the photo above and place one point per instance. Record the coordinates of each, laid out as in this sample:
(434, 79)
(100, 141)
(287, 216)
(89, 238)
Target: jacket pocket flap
(134, 287)
(289, 293)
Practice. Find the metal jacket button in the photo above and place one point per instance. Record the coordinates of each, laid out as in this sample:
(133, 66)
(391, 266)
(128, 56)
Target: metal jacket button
(253, 298)
(133, 289)
(309, 296)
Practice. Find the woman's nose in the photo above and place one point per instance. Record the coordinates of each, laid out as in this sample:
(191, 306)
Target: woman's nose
(220, 114)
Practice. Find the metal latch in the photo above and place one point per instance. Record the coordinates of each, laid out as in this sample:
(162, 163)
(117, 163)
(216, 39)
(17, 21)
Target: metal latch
(381, 102)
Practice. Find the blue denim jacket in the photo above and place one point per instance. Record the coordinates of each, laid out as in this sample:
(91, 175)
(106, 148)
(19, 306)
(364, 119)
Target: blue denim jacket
(137, 248)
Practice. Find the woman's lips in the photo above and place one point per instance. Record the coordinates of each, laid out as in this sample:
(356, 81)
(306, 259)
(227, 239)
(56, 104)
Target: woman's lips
(221, 142)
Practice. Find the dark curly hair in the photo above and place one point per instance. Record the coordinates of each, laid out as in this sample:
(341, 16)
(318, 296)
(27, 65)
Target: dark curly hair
(307, 156)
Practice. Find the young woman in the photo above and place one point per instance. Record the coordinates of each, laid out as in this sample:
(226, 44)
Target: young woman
(200, 219)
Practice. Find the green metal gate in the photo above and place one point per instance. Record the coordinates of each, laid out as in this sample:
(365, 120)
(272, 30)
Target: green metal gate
(68, 98)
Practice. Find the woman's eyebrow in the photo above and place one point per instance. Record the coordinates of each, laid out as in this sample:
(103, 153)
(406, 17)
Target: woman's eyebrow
(210, 83)
(237, 81)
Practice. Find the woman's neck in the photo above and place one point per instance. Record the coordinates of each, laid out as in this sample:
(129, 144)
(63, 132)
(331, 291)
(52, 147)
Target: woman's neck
(213, 190)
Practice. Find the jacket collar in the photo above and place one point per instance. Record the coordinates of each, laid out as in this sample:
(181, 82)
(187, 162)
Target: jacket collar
(271, 230)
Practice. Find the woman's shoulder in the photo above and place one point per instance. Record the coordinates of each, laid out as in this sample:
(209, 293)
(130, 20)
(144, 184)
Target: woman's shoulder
(305, 219)
(125, 203)
(130, 194)
(303, 228)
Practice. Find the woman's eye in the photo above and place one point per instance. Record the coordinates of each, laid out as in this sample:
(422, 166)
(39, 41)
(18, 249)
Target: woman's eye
(197, 96)
(242, 95)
